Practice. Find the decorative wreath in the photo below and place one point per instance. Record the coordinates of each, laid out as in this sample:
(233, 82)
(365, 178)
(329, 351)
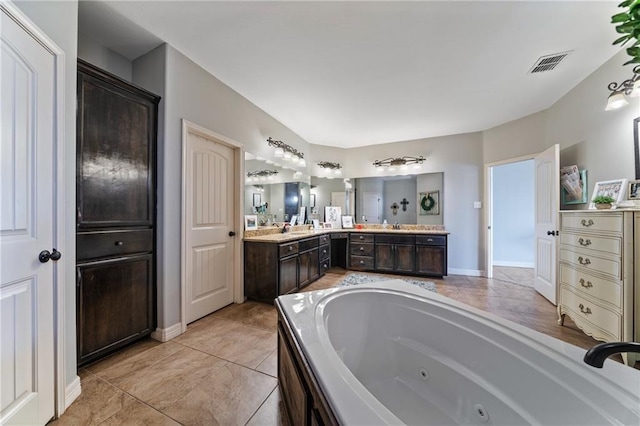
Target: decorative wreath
(427, 203)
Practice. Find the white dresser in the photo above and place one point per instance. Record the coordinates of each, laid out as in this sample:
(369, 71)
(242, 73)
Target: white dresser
(596, 273)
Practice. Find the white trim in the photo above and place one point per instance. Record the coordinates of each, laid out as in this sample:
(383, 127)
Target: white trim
(238, 287)
(166, 334)
(514, 264)
(72, 392)
(59, 200)
(468, 272)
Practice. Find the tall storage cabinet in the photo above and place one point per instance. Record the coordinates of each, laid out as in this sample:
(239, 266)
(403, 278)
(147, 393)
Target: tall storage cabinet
(116, 212)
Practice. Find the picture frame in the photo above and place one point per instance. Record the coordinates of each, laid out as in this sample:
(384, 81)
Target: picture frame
(332, 215)
(347, 222)
(567, 198)
(316, 224)
(617, 189)
(257, 199)
(327, 225)
(294, 219)
(634, 190)
(250, 222)
(429, 202)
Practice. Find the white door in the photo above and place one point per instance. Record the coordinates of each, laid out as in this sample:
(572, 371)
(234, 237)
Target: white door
(27, 175)
(371, 207)
(547, 188)
(209, 216)
(338, 199)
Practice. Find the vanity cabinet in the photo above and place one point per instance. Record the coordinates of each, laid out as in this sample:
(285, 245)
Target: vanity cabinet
(395, 253)
(308, 258)
(361, 252)
(324, 254)
(431, 255)
(596, 273)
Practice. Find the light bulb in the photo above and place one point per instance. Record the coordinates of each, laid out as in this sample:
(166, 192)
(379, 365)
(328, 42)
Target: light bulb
(616, 100)
(279, 152)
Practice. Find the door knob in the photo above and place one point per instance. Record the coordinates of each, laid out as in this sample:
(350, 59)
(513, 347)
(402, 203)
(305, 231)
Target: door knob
(551, 233)
(44, 256)
(231, 233)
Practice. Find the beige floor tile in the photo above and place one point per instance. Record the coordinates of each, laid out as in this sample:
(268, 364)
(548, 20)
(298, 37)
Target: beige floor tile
(230, 396)
(270, 365)
(134, 412)
(232, 341)
(269, 412)
(163, 383)
(251, 313)
(120, 356)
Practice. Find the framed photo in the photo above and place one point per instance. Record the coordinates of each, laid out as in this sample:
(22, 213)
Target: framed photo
(250, 222)
(332, 215)
(347, 221)
(578, 193)
(429, 202)
(316, 224)
(634, 190)
(327, 225)
(294, 219)
(257, 199)
(312, 200)
(613, 188)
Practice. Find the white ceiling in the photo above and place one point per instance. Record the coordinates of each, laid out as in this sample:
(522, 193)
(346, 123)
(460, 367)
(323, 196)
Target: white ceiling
(360, 73)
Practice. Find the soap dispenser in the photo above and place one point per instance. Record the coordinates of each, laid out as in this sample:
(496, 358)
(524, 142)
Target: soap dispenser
(384, 224)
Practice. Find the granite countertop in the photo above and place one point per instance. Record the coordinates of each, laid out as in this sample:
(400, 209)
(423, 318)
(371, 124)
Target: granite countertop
(297, 234)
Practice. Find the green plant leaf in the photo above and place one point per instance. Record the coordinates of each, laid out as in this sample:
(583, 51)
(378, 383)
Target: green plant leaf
(625, 28)
(622, 39)
(633, 52)
(625, 3)
(632, 61)
(620, 17)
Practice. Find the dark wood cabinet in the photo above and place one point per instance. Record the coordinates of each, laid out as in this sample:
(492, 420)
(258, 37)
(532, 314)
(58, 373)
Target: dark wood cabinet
(361, 252)
(431, 255)
(116, 212)
(395, 253)
(288, 275)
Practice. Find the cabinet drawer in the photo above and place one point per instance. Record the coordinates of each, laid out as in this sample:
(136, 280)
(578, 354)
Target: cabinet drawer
(325, 252)
(361, 238)
(361, 262)
(592, 263)
(324, 239)
(607, 222)
(325, 265)
(602, 318)
(395, 239)
(431, 240)
(608, 291)
(92, 245)
(610, 245)
(364, 249)
(308, 243)
(288, 249)
(339, 235)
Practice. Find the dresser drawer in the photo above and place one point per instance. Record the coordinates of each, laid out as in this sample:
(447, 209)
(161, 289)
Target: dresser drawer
(607, 222)
(608, 291)
(288, 249)
(431, 240)
(325, 265)
(602, 318)
(364, 249)
(361, 262)
(361, 238)
(610, 245)
(307, 244)
(92, 245)
(592, 263)
(325, 252)
(324, 239)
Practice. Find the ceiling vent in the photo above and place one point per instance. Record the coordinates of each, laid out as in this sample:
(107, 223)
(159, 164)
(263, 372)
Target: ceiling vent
(547, 63)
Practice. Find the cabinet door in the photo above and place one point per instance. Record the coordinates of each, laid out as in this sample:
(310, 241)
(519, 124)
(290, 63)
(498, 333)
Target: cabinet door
(405, 257)
(430, 260)
(114, 304)
(288, 275)
(308, 267)
(384, 257)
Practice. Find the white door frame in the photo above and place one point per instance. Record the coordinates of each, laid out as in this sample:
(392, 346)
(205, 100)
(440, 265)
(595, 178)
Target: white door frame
(238, 154)
(488, 201)
(59, 212)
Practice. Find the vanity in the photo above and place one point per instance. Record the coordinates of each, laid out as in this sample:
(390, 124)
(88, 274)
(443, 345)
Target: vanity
(277, 264)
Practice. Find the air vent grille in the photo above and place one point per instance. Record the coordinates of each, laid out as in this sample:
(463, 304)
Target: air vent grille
(548, 62)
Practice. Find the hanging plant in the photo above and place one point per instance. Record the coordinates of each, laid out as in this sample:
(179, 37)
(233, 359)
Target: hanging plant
(628, 24)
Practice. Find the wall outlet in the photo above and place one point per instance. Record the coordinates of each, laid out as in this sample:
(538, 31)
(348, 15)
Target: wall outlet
(477, 204)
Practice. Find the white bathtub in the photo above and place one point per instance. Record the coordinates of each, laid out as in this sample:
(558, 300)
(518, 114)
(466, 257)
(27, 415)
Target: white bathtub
(391, 353)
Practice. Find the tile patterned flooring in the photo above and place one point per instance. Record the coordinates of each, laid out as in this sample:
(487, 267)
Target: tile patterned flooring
(223, 369)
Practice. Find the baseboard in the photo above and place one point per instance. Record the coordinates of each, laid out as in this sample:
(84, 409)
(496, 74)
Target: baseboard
(469, 272)
(72, 392)
(513, 264)
(166, 334)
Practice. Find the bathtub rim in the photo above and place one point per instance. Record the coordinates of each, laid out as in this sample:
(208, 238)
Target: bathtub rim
(352, 403)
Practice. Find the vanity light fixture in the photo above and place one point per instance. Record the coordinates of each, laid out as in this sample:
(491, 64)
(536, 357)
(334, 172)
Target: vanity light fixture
(402, 163)
(287, 152)
(261, 175)
(330, 167)
(619, 92)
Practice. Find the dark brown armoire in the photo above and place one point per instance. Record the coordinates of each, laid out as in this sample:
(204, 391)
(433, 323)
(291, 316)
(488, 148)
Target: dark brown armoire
(116, 212)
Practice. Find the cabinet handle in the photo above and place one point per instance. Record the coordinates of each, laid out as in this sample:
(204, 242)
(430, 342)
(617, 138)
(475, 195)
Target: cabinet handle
(587, 223)
(362, 262)
(118, 243)
(361, 237)
(583, 309)
(584, 243)
(290, 248)
(584, 261)
(324, 252)
(430, 239)
(324, 266)
(587, 284)
(361, 248)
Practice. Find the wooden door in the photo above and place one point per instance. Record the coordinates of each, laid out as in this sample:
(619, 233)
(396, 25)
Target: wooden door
(384, 257)
(288, 275)
(430, 260)
(405, 258)
(27, 218)
(209, 218)
(371, 207)
(547, 188)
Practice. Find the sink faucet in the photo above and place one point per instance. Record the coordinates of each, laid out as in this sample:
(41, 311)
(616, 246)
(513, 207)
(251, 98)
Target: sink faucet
(396, 225)
(597, 354)
(285, 228)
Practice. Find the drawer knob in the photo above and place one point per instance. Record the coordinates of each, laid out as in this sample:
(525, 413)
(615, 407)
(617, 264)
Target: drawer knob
(587, 223)
(324, 266)
(290, 248)
(584, 242)
(430, 239)
(362, 262)
(118, 243)
(324, 252)
(584, 261)
(361, 237)
(584, 310)
(585, 284)
(361, 248)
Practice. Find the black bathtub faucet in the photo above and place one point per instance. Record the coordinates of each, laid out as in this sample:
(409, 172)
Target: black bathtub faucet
(597, 354)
